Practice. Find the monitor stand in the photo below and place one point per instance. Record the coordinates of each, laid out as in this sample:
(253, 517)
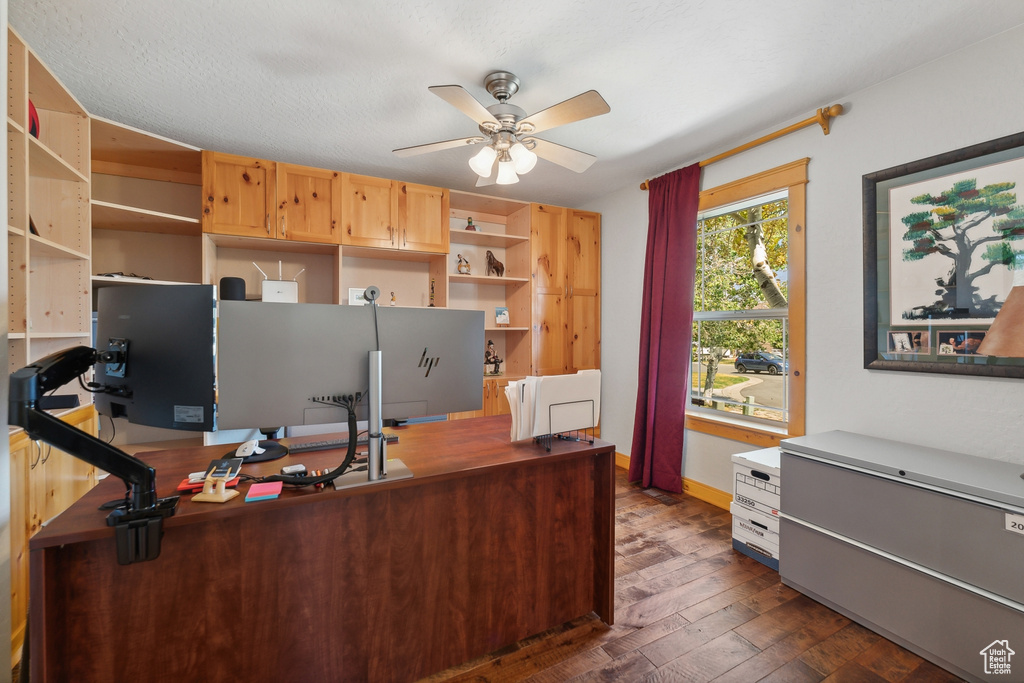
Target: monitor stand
(272, 450)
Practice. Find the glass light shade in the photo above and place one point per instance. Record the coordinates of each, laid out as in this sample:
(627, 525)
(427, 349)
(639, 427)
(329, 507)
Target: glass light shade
(523, 158)
(507, 173)
(482, 161)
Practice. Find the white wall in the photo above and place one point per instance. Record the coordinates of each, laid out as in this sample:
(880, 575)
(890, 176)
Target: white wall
(965, 98)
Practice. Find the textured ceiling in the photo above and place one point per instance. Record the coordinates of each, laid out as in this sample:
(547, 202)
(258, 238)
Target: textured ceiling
(339, 84)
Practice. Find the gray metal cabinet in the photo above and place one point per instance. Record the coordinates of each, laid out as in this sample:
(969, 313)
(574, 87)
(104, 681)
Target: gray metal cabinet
(914, 543)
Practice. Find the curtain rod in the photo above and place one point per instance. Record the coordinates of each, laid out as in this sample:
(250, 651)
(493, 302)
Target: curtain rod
(822, 118)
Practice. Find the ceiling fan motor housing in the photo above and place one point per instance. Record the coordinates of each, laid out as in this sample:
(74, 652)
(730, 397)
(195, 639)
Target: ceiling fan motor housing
(502, 85)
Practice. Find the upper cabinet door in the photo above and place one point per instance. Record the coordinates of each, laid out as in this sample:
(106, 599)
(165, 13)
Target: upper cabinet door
(550, 289)
(422, 218)
(368, 212)
(238, 195)
(584, 251)
(308, 204)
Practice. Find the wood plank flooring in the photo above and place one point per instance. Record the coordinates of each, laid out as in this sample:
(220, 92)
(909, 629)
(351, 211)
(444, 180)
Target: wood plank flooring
(688, 609)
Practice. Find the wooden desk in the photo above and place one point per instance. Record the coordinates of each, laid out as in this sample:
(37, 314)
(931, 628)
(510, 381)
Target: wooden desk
(488, 543)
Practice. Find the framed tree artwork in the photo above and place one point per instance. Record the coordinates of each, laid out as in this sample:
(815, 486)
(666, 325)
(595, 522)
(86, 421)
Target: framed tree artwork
(944, 262)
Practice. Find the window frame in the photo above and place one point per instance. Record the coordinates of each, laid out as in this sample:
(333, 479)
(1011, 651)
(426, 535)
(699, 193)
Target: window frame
(793, 178)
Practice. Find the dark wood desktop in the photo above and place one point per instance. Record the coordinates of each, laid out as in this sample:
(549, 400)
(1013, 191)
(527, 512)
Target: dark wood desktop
(488, 543)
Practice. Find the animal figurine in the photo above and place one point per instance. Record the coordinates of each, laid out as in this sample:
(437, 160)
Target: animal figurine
(494, 265)
(463, 266)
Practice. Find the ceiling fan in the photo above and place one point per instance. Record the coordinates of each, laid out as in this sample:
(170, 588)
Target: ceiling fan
(507, 133)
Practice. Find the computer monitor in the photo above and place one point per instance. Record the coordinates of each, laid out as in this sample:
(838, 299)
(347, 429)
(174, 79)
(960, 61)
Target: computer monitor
(167, 334)
(274, 359)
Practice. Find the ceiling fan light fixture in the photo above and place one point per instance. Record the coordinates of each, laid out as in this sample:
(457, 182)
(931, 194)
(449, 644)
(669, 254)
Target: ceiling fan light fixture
(507, 172)
(483, 161)
(523, 158)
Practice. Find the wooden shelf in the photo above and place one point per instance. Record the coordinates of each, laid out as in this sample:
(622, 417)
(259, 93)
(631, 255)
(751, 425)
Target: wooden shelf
(59, 335)
(484, 280)
(45, 163)
(47, 92)
(486, 239)
(110, 216)
(40, 246)
(481, 207)
(99, 281)
(506, 328)
(11, 230)
(15, 335)
(271, 244)
(118, 149)
(13, 126)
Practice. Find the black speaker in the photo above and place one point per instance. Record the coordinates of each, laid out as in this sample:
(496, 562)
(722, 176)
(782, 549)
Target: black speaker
(232, 289)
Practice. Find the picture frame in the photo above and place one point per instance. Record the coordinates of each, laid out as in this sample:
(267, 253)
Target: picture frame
(357, 296)
(943, 241)
(501, 318)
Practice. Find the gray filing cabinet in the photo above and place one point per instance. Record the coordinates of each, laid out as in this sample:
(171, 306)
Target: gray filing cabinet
(920, 545)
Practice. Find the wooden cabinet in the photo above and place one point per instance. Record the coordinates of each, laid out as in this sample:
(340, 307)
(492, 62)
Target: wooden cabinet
(422, 217)
(238, 195)
(44, 481)
(584, 302)
(550, 289)
(494, 400)
(566, 259)
(389, 214)
(308, 204)
(366, 210)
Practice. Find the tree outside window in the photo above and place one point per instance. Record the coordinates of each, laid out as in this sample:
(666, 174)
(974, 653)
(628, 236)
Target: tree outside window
(740, 352)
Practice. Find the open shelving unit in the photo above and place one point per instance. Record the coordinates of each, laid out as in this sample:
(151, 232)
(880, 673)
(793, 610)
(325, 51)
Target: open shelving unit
(49, 256)
(503, 229)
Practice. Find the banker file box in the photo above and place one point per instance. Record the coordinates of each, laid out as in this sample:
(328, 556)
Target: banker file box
(757, 482)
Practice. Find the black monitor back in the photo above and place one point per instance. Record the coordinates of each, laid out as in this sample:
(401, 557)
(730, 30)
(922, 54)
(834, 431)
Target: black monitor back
(169, 376)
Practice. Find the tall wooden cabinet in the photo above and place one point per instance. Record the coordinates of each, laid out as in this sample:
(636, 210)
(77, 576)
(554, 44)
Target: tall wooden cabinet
(565, 247)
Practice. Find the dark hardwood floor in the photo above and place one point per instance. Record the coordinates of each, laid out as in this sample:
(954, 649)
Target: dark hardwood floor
(688, 608)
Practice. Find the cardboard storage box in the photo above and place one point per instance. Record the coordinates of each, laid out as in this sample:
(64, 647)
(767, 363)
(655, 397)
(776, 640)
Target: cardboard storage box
(755, 534)
(757, 480)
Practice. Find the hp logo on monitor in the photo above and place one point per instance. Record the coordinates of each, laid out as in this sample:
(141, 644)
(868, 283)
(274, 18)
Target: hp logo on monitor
(427, 362)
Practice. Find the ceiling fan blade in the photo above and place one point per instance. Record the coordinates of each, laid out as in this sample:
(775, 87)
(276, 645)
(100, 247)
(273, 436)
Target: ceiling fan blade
(577, 108)
(459, 97)
(437, 146)
(572, 159)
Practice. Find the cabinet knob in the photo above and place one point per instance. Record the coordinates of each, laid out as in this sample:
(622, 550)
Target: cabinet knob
(284, 225)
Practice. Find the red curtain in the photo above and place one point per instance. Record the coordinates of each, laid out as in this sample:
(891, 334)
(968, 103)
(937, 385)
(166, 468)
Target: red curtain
(666, 330)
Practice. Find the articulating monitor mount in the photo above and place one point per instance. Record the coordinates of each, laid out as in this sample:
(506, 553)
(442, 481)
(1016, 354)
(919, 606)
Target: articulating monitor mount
(139, 523)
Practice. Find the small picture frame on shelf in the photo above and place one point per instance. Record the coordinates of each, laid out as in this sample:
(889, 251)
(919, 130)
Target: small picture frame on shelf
(501, 316)
(357, 296)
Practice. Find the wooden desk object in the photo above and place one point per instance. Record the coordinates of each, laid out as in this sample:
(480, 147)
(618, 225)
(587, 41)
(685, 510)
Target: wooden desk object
(488, 543)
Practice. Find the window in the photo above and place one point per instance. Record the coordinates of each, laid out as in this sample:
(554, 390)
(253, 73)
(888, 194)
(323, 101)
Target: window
(748, 348)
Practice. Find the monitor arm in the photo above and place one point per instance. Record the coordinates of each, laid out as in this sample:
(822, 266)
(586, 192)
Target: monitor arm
(139, 524)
